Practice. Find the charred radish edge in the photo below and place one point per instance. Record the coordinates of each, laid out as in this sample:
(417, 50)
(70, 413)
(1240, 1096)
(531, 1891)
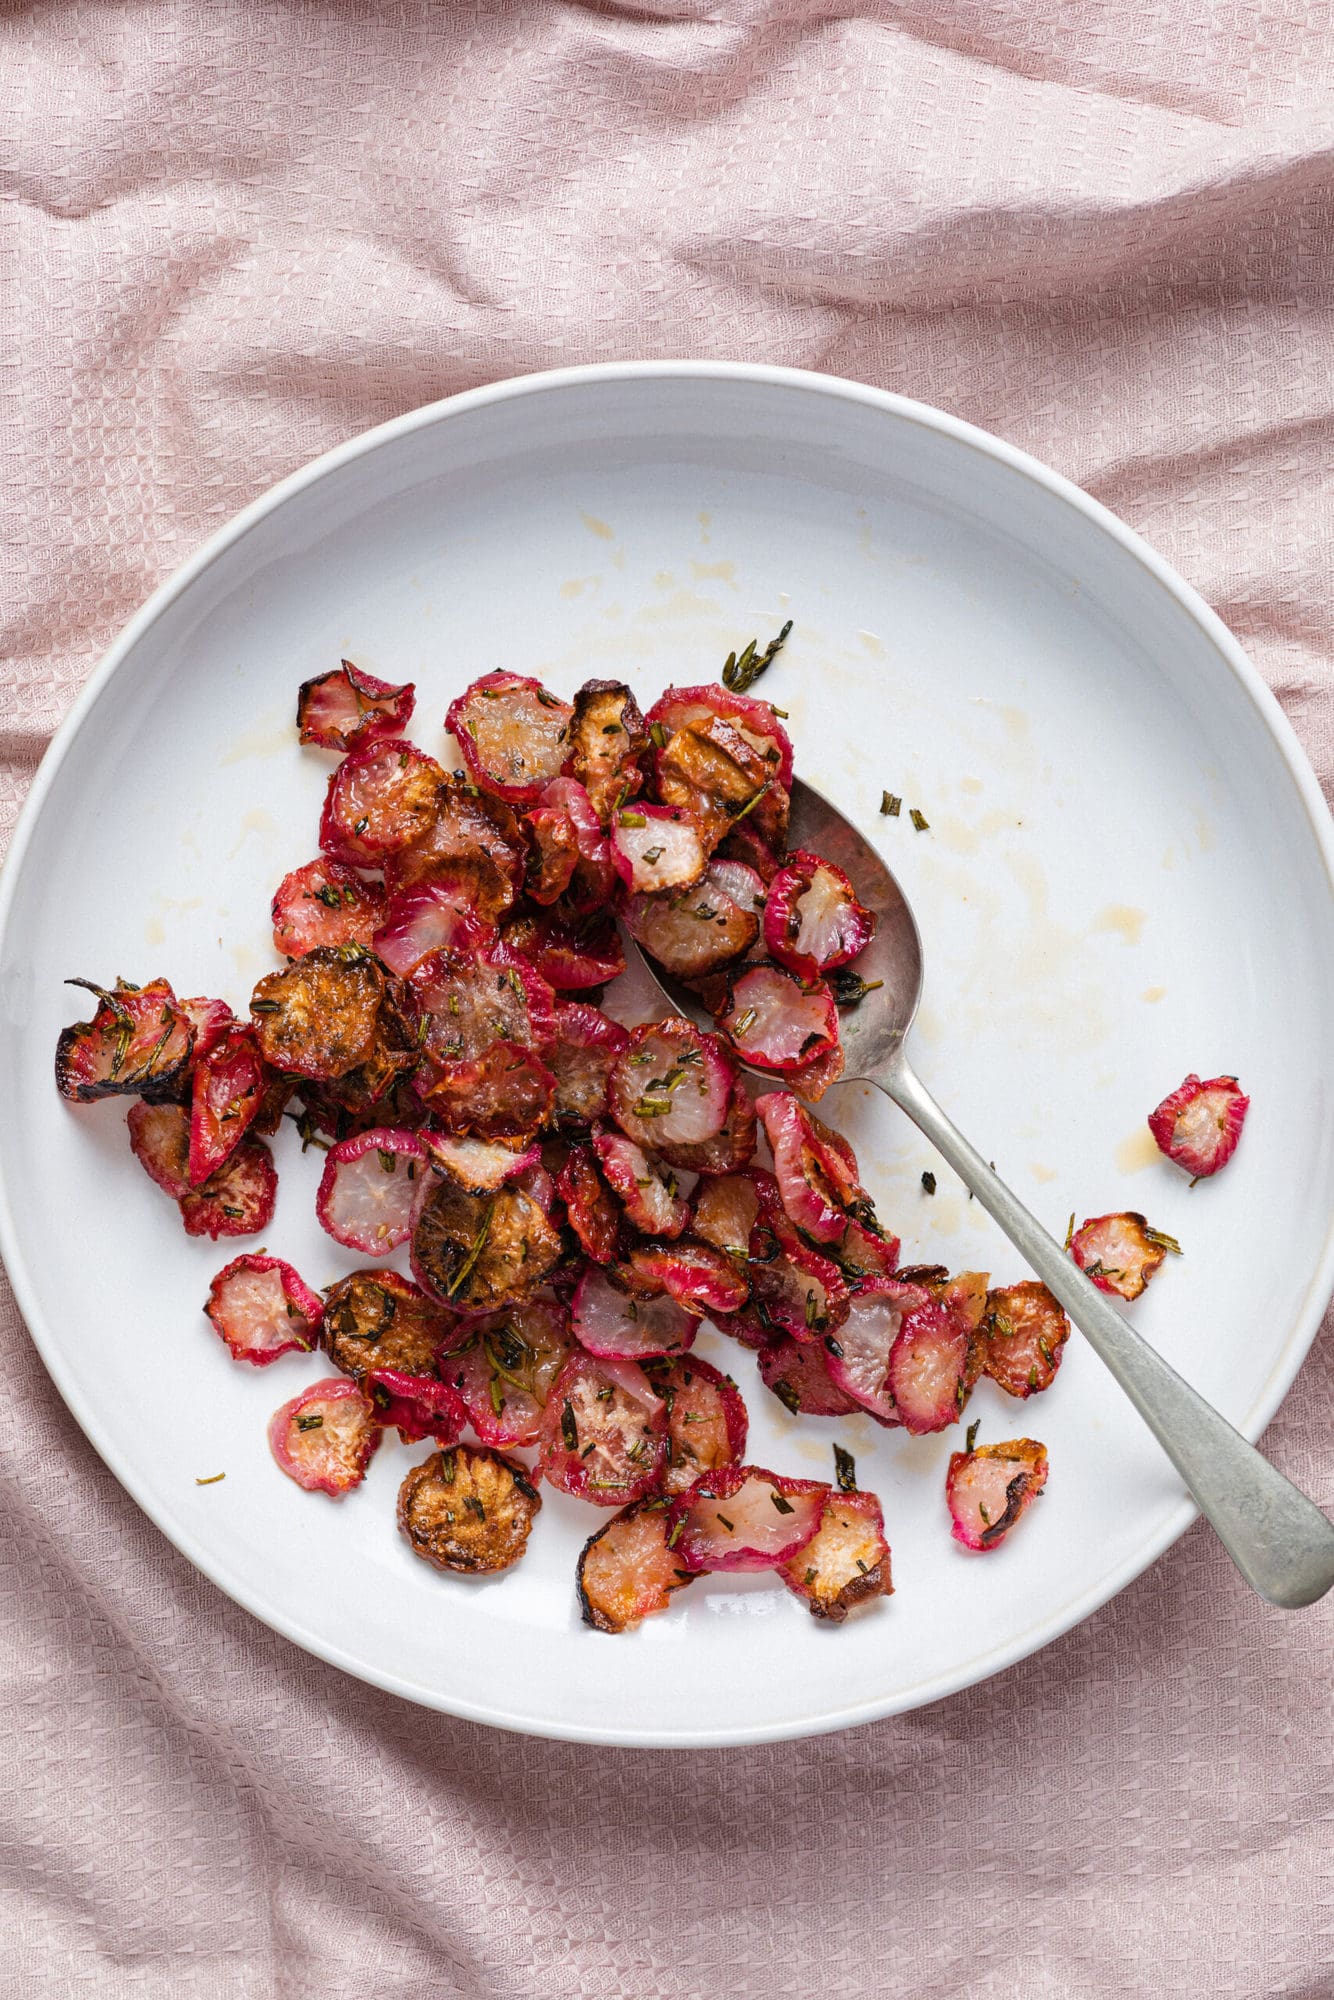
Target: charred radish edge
(742, 1517)
(324, 1438)
(262, 1308)
(989, 1488)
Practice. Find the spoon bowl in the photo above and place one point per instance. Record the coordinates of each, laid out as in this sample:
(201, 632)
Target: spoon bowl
(1280, 1541)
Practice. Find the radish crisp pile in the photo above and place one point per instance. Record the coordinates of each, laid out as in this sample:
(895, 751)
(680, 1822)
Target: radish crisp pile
(576, 1196)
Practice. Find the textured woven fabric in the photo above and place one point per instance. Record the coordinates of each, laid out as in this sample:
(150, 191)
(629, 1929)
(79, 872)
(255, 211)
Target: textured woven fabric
(234, 234)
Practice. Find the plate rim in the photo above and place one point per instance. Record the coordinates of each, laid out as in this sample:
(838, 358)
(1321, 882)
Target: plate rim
(554, 381)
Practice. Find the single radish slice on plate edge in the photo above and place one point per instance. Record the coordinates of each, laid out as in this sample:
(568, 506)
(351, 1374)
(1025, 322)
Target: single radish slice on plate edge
(262, 1308)
(325, 1438)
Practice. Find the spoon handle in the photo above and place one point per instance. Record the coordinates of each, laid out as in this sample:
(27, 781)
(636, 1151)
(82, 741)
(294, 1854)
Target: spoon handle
(1279, 1540)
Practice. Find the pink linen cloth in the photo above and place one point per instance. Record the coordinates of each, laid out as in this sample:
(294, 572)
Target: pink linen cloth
(235, 234)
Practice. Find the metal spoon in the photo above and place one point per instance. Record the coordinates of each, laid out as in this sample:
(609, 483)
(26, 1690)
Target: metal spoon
(1279, 1540)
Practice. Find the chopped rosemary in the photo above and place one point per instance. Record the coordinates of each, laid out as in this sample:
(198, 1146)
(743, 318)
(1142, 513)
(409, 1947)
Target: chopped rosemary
(845, 1470)
(652, 854)
(919, 820)
(310, 1423)
(211, 1481)
(929, 1182)
(849, 987)
(788, 1397)
(746, 1022)
(569, 1429)
(729, 1525)
(971, 1439)
(782, 1505)
(1162, 1241)
(478, 1245)
(741, 671)
(633, 819)
(890, 804)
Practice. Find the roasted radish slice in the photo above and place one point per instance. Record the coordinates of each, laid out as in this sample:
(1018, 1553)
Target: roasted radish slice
(476, 1252)
(627, 1572)
(238, 1199)
(318, 1017)
(617, 1325)
(846, 1561)
(607, 740)
(478, 1166)
(474, 845)
(927, 1367)
(594, 876)
(741, 1517)
(655, 848)
(812, 919)
(1199, 1125)
(225, 1095)
(262, 1309)
(210, 1020)
(989, 1488)
(369, 1190)
(697, 1276)
(725, 1212)
(797, 1372)
(428, 918)
(706, 1419)
(475, 998)
(1120, 1252)
(139, 1041)
(380, 800)
(416, 1406)
(815, 1168)
(655, 1200)
(691, 932)
(504, 1367)
(555, 853)
(671, 1085)
(589, 1205)
(468, 1510)
(756, 721)
(581, 1057)
(776, 1022)
(866, 1248)
(325, 1437)
(604, 1432)
(514, 735)
(506, 1093)
(571, 953)
(160, 1142)
(858, 1355)
(325, 903)
(376, 1319)
(348, 709)
(715, 775)
(794, 1288)
(1025, 1331)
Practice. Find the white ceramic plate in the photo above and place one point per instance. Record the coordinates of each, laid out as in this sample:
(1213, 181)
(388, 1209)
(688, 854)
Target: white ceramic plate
(1127, 875)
